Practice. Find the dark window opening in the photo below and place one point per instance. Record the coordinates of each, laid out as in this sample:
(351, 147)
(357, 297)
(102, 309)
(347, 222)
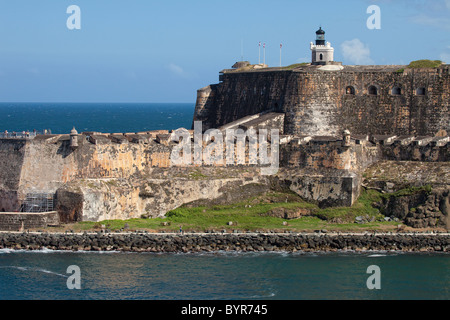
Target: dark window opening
(373, 90)
(321, 57)
(420, 91)
(396, 91)
(350, 90)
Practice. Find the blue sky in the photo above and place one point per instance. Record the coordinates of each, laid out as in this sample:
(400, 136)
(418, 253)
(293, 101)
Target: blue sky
(163, 51)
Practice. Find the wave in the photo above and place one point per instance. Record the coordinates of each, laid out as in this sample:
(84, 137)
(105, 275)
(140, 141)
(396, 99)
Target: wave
(3, 251)
(270, 295)
(51, 272)
(46, 250)
(34, 270)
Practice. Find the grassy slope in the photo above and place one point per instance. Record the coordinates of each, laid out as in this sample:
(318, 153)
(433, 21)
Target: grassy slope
(251, 215)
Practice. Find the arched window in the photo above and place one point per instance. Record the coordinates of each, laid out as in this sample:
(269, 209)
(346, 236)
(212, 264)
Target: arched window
(350, 90)
(321, 57)
(420, 92)
(373, 91)
(396, 91)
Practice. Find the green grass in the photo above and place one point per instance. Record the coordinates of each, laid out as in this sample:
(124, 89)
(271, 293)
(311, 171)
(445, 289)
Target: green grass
(362, 207)
(425, 64)
(408, 191)
(251, 215)
(197, 175)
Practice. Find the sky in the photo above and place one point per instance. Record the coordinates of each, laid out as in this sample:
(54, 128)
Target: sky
(164, 51)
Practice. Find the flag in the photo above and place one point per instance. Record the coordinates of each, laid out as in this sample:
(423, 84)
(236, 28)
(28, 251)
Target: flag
(264, 46)
(259, 44)
(281, 45)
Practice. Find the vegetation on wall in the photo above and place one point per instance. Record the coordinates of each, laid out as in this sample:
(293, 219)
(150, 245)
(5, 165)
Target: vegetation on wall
(425, 64)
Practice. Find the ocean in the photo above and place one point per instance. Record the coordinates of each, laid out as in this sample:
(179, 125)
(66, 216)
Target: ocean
(44, 274)
(218, 276)
(99, 117)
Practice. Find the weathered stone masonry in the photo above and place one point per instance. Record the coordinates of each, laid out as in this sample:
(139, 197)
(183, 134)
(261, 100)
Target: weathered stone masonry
(362, 99)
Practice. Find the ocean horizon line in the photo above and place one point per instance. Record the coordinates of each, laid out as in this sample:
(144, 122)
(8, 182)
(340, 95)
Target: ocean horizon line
(62, 102)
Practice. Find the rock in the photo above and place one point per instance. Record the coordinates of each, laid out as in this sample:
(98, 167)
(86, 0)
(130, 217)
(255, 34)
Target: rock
(360, 220)
(336, 220)
(289, 214)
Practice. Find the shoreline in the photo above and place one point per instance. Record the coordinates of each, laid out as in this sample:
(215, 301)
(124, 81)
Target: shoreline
(226, 242)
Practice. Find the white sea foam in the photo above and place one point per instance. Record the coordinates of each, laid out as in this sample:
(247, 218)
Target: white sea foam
(14, 267)
(270, 295)
(51, 272)
(2, 251)
(34, 270)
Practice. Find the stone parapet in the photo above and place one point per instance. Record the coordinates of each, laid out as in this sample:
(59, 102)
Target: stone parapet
(16, 221)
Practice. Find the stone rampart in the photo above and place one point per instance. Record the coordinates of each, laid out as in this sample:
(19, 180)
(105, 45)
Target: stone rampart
(107, 177)
(362, 99)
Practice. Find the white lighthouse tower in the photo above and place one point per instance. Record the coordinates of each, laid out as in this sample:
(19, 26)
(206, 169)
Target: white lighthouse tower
(322, 52)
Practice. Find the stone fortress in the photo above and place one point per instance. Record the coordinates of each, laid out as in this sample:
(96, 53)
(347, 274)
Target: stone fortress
(335, 123)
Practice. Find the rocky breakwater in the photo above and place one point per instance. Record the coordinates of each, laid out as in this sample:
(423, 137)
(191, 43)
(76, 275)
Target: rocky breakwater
(201, 242)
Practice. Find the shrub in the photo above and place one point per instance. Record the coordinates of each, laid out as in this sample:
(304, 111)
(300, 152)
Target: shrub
(425, 64)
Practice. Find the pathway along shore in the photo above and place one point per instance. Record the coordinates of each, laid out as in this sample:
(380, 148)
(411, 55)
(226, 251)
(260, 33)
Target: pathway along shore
(210, 242)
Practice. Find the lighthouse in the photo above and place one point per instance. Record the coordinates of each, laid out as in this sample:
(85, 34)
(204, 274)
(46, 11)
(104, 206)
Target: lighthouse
(322, 51)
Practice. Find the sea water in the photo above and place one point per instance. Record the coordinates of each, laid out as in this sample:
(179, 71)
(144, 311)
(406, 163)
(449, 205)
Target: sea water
(100, 117)
(222, 276)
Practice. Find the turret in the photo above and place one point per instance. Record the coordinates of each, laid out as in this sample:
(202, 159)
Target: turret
(74, 138)
(346, 137)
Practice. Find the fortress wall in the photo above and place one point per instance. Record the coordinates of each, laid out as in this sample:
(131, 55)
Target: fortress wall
(241, 94)
(39, 165)
(312, 105)
(15, 221)
(410, 152)
(385, 113)
(318, 155)
(325, 108)
(12, 154)
(46, 166)
(110, 180)
(316, 103)
(204, 106)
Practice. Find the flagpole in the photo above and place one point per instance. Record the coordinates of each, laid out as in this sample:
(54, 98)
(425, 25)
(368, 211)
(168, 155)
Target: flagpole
(264, 47)
(259, 52)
